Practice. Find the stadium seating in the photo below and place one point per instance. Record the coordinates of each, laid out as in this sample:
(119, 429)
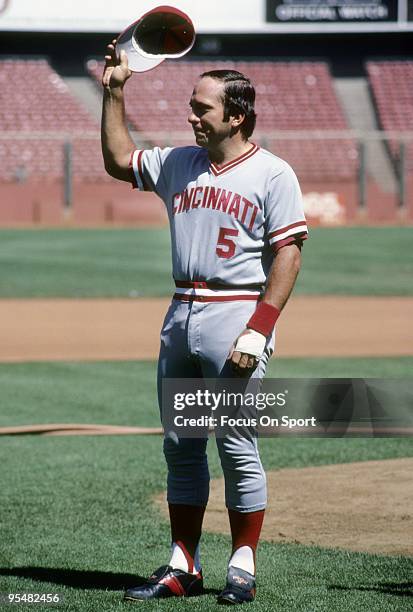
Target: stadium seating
(391, 84)
(290, 96)
(42, 114)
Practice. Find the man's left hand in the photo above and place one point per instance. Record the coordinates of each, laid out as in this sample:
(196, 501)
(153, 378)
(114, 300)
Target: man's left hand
(247, 352)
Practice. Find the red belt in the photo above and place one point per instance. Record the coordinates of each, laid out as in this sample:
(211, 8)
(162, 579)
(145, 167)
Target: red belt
(217, 286)
(205, 291)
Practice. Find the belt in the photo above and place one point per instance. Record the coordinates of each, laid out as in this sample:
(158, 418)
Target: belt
(205, 291)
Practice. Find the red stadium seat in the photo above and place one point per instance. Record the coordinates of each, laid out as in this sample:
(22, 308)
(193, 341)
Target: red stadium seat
(391, 84)
(41, 102)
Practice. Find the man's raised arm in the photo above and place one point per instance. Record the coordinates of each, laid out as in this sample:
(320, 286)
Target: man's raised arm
(117, 144)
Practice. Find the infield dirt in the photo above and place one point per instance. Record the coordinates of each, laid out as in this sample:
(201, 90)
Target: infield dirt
(122, 329)
(364, 506)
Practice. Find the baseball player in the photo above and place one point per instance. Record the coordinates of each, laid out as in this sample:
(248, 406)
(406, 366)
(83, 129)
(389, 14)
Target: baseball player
(237, 227)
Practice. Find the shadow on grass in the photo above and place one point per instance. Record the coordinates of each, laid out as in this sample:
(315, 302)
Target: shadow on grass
(402, 589)
(79, 579)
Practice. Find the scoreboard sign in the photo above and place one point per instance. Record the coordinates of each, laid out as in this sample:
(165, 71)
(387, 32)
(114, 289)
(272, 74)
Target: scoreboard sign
(331, 11)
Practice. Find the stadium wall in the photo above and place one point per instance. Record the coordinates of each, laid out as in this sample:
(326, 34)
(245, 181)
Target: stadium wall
(326, 204)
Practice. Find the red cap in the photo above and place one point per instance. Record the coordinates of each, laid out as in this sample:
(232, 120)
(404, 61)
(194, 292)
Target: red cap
(164, 32)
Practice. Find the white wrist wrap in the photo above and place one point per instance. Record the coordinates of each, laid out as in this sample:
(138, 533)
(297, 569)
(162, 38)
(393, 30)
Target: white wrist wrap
(251, 342)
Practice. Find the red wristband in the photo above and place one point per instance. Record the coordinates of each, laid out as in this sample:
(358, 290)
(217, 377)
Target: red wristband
(264, 318)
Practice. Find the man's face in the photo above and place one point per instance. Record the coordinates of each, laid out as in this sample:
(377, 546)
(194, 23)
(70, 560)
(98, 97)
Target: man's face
(207, 113)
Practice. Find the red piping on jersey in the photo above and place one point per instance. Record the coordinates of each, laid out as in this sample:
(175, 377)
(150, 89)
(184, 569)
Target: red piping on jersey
(296, 238)
(140, 168)
(286, 228)
(214, 298)
(217, 170)
(134, 181)
(140, 171)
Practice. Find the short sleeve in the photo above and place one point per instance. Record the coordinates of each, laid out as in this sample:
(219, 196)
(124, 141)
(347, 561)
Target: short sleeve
(284, 212)
(148, 169)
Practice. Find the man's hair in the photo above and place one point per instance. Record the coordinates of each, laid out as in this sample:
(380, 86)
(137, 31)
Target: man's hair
(239, 97)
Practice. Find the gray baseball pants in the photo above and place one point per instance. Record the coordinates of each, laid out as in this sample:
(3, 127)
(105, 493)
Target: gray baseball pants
(195, 341)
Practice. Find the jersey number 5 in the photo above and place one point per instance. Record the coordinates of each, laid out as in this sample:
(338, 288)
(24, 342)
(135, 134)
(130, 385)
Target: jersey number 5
(226, 246)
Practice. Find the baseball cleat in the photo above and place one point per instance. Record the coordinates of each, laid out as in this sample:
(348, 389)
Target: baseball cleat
(167, 582)
(240, 587)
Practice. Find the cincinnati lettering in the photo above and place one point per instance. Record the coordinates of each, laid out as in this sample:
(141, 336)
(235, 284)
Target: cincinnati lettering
(217, 199)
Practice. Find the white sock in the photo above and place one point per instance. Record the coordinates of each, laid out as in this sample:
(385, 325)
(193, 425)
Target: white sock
(178, 559)
(243, 558)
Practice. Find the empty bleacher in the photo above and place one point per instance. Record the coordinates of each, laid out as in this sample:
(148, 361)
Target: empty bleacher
(290, 96)
(391, 84)
(40, 114)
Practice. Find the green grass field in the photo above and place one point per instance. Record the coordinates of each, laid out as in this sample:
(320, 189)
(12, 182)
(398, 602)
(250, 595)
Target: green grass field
(124, 393)
(77, 520)
(76, 516)
(124, 262)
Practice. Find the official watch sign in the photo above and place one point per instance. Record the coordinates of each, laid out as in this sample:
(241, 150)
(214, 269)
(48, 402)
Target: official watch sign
(347, 11)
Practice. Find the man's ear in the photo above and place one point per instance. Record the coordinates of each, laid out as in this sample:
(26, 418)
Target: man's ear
(236, 120)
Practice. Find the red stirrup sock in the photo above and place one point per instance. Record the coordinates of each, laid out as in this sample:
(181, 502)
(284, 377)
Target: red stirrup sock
(186, 528)
(245, 531)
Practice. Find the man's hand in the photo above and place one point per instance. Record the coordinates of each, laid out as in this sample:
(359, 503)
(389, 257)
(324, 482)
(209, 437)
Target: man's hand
(116, 71)
(246, 352)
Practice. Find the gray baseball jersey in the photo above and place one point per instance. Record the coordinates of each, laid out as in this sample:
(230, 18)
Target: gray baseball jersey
(225, 221)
